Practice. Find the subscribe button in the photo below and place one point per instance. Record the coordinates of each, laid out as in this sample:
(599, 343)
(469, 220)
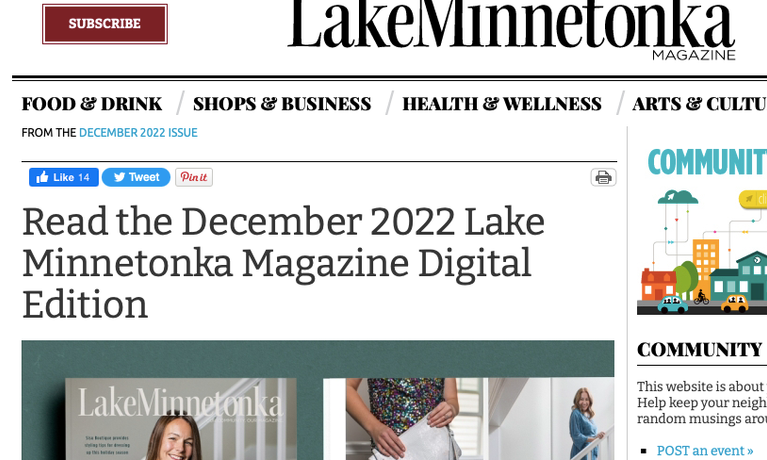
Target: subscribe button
(71, 24)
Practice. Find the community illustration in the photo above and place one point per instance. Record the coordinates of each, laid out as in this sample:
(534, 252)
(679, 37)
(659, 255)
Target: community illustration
(706, 270)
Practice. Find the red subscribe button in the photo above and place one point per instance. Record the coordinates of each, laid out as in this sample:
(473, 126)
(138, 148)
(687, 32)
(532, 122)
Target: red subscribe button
(74, 24)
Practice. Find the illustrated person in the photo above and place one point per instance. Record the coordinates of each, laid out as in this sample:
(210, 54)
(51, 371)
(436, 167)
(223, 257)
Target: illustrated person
(583, 430)
(174, 437)
(398, 404)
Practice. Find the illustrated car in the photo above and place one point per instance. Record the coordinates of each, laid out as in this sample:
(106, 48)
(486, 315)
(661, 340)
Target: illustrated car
(735, 302)
(672, 303)
(603, 177)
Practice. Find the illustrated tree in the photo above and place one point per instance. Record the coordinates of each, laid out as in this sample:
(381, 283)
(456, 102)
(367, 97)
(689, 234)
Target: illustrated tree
(683, 280)
(693, 270)
(686, 279)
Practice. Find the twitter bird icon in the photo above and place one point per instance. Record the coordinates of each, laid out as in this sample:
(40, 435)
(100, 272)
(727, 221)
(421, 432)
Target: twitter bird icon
(119, 177)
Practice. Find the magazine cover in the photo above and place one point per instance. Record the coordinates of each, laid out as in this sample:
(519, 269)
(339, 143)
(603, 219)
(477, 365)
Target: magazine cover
(181, 419)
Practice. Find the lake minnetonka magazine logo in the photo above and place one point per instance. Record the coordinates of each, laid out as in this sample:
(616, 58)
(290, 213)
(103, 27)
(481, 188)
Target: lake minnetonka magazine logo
(668, 25)
(157, 404)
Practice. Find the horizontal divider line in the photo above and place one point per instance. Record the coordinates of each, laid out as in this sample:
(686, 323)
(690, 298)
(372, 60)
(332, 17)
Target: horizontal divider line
(385, 80)
(394, 77)
(319, 161)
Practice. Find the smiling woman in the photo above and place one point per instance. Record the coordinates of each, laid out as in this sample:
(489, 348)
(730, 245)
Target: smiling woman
(175, 437)
(583, 430)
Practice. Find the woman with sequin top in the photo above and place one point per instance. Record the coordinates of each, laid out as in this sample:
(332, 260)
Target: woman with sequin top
(583, 430)
(398, 404)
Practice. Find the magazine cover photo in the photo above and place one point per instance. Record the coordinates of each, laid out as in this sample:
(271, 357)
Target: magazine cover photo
(181, 419)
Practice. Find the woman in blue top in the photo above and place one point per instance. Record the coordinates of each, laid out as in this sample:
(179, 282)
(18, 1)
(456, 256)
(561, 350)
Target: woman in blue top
(582, 430)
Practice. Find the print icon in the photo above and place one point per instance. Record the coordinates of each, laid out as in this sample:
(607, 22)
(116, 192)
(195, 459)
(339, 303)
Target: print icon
(603, 177)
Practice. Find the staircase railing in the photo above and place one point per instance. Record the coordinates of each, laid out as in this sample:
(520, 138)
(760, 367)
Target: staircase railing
(587, 452)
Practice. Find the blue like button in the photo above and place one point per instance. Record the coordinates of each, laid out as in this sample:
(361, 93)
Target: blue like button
(135, 177)
(63, 177)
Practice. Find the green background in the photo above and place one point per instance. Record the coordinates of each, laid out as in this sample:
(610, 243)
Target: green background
(45, 365)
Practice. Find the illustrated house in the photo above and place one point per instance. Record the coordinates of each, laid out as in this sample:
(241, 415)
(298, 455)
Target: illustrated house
(656, 285)
(748, 279)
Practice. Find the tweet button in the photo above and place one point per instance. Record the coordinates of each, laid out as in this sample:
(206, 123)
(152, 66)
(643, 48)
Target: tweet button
(63, 177)
(135, 177)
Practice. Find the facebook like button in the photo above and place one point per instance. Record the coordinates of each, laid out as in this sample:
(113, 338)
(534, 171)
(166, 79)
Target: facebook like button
(63, 177)
(135, 177)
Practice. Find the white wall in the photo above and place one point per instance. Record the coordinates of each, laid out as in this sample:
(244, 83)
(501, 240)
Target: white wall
(526, 431)
(354, 432)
